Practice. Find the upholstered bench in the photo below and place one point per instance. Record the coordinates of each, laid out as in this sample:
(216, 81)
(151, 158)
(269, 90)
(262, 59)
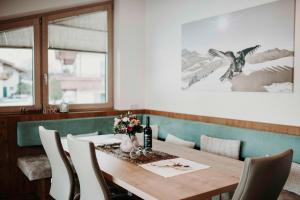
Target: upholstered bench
(254, 143)
(35, 167)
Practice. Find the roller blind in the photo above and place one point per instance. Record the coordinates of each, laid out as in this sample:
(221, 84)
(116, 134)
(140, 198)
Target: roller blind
(17, 38)
(86, 32)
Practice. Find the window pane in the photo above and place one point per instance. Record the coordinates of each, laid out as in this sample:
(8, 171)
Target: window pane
(16, 67)
(77, 59)
(77, 77)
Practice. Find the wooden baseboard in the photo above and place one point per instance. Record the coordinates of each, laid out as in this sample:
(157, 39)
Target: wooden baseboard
(277, 128)
(51, 116)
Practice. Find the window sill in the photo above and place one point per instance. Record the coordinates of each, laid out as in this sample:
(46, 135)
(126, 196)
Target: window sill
(30, 116)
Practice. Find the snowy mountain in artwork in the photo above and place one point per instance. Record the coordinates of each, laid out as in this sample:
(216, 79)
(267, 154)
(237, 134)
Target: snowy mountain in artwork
(259, 72)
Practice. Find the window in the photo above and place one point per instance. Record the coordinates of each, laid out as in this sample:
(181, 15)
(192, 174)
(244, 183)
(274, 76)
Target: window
(18, 64)
(55, 57)
(76, 77)
(79, 68)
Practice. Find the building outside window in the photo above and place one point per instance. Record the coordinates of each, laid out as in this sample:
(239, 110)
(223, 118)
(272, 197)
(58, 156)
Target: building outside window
(16, 67)
(79, 64)
(64, 56)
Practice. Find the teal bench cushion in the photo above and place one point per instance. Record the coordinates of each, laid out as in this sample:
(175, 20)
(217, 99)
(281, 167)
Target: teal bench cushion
(254, 142)
(27, 132)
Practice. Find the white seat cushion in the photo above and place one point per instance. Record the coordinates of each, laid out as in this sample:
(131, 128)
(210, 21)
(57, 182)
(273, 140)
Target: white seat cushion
(224, 147)
(35, 167)
(293, 182)
(175, 140)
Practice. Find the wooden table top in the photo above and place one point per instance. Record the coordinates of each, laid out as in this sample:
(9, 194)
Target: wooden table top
(222, 176)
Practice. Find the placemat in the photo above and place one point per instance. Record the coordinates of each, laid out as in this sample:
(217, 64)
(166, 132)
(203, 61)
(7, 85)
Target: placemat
(150, 157)
(173, 167)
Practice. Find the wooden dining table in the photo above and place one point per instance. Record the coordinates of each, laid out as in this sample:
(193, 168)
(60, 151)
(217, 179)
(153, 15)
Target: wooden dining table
(222, 176)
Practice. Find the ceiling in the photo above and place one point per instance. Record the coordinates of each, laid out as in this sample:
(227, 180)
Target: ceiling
(18, 8)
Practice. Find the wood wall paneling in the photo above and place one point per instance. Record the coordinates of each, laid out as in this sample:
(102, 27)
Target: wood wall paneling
(277, 128)
(4, 158)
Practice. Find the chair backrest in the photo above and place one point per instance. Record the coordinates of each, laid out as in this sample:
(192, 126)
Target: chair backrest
(263, 178)
(91, 180)
(62, 177)
(223, 147)
(178, 141)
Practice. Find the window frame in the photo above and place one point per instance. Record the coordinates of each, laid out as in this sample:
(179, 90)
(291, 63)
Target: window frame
(37, 104)
(63, 14)
(40, 23)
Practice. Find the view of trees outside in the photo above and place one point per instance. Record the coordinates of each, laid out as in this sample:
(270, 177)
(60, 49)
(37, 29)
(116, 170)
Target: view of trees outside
(16, 77)
(76, 77)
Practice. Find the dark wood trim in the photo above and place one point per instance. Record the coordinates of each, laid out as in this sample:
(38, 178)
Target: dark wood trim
(80, 114)
(44, 61)
(46, 18)
(34, 23)
(110, 57)
(278, 128)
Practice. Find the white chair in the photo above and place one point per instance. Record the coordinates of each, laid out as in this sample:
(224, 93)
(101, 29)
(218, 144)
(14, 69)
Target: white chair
(62, 187)
(92, 183)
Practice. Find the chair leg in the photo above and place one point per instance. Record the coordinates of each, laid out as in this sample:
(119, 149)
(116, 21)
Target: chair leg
(43, 188)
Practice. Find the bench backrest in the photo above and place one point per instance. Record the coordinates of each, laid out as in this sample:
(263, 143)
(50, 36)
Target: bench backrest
(27, 132)
(254, 142)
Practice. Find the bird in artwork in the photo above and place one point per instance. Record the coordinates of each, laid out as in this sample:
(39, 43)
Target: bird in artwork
(237, 62)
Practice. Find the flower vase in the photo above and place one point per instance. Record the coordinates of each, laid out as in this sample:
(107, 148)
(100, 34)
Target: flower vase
(128, 143)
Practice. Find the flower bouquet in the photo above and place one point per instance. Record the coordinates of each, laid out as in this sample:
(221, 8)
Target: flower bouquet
(128, 125)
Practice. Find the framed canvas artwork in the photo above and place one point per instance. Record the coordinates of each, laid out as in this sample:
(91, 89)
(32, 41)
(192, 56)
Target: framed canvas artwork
(250, 50)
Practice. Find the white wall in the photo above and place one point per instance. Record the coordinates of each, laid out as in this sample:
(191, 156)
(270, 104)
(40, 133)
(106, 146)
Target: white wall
(148, 59)
(163, 67)
(129, 54)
